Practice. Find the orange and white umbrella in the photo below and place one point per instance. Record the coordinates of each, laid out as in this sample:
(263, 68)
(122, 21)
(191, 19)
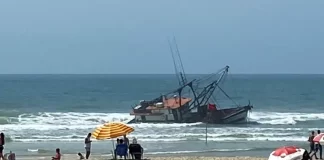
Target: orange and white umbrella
(319, 138)
(287, 153)
(111, 130)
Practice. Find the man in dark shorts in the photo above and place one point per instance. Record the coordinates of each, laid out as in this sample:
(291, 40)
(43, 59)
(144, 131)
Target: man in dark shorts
(312, 145)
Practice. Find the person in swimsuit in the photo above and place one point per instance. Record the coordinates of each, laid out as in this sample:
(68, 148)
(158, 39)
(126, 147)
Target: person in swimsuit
(58, 155)
(2, 143)
(87, 145)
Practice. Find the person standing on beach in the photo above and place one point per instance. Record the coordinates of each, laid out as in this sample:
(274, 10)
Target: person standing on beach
(87, 145)
(319, 146)
(2, 143)
(126, 141)
(312, 145)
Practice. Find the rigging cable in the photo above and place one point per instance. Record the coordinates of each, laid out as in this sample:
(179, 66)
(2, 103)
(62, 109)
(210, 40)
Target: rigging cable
(227, 96)
(174, 63)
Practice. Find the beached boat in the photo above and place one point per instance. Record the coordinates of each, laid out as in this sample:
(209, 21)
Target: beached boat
(175, 107)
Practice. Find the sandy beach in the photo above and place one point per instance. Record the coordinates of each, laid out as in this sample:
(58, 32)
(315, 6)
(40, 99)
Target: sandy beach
(103, 157)
(207, 158)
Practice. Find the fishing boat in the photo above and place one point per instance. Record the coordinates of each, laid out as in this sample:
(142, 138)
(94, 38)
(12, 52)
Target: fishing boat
(191, 102)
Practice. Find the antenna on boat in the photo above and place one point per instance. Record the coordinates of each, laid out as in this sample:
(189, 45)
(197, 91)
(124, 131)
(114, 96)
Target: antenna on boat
(174, 63)
(182, 72)
(178, 66)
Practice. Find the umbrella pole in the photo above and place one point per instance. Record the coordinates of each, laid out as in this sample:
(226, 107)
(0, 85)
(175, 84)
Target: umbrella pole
(206, 134)
(114, 154)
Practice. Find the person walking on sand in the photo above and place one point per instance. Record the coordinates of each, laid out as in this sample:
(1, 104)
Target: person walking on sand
(87, 145)
(312, 145)
(2, 143)
(319, 146)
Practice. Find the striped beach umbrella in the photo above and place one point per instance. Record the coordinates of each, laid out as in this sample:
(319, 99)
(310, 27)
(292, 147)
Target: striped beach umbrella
(111, 130)
(319, 138)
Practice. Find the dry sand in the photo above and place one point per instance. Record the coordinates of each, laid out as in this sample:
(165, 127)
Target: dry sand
(208, 158)
(99, 157)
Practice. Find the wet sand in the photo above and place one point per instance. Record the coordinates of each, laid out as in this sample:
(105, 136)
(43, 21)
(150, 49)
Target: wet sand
(208, 158)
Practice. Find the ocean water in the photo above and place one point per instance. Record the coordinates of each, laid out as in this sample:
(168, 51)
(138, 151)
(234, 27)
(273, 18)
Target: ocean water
(39, 113)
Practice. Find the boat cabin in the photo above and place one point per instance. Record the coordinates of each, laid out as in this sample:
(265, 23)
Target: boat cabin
(161, 109)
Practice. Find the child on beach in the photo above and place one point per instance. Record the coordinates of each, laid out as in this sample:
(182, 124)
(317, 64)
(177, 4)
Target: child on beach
(80, 156)
(58, 155)
(2, 143)
(11, 156)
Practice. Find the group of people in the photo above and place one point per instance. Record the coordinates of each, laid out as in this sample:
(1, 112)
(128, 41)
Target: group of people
(123, 148)
(315, 146)
(87, 147)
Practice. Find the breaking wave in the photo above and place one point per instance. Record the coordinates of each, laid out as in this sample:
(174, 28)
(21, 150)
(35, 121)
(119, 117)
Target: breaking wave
(277, 118)
(72, 126)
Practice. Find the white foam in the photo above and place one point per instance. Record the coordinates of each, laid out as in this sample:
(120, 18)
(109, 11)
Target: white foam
(163, 125)
(32, 150)
(219, 150)
(73, 126)
(276, 118)
(64, 121)
(276, 139)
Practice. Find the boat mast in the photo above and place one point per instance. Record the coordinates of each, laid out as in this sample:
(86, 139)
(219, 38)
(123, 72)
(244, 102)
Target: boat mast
(178, 66)
(182, 72)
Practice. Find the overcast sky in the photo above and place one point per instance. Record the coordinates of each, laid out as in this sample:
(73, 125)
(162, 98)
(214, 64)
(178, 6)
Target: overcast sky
(119, 36)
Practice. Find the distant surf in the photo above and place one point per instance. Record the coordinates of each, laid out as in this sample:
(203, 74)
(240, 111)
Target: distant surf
(72, 126)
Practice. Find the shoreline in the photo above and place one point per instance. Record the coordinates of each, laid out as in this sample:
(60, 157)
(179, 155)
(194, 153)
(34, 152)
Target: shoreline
(154, 149)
